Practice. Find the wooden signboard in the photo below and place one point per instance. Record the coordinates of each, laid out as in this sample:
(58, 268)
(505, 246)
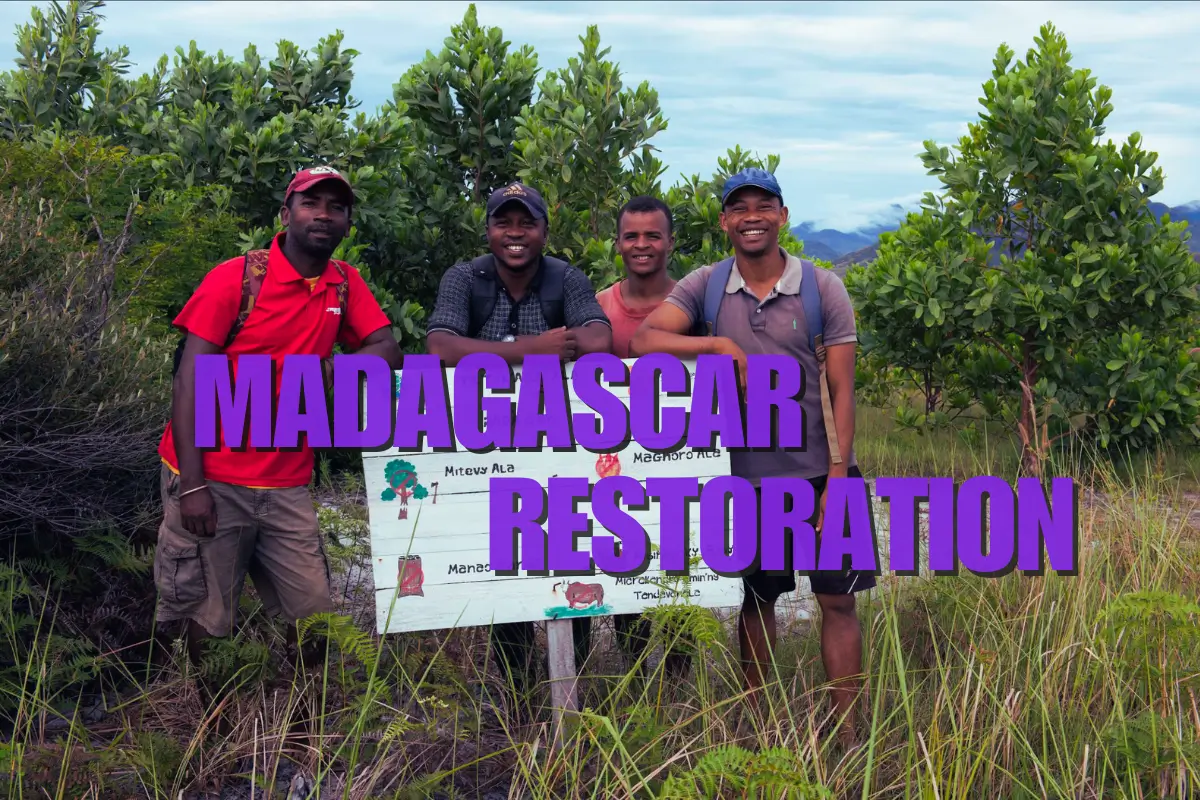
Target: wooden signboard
(429, 519)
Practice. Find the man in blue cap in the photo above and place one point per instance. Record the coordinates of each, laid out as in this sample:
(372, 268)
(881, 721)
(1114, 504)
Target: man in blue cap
(514, 301)
(765, 300)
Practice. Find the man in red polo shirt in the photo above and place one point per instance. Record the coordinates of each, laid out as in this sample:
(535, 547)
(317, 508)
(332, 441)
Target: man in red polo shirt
(230, 513)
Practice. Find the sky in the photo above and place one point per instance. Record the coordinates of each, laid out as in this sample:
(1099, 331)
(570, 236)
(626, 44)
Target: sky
(844, 93)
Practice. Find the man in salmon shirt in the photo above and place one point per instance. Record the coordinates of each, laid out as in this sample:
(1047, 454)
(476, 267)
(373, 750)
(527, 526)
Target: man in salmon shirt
(644, 240)
(230, 513)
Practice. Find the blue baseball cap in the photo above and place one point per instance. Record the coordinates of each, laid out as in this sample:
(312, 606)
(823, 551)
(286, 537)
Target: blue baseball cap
(751, 176)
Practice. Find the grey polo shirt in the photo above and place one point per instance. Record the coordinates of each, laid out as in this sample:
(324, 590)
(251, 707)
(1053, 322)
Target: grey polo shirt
(777, 325)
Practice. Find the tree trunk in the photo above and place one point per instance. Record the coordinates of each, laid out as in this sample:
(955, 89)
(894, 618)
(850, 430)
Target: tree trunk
(1027, 424)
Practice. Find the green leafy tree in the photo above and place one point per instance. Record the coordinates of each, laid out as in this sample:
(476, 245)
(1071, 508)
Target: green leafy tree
(468, 98)
(1089, 297)
(463, 105)
(921, 282)
(227, 135)
(60, 72)
(585, 145)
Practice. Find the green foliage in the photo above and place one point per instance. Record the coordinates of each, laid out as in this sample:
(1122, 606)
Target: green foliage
(237, 661)
(1090, 298)
(60, 72)
(219, 137)
(344, 634)
(1149, 744)
(1154, 637)
(920, 285)
(574, 145)
(468, 98)
(776, 772)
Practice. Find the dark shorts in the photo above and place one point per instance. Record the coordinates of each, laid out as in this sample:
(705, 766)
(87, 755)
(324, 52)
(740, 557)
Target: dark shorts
(769, 586)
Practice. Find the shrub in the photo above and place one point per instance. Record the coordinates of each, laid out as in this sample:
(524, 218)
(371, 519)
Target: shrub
(83, 401)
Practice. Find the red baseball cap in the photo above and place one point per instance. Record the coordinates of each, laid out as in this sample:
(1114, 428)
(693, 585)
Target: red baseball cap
(307, 178)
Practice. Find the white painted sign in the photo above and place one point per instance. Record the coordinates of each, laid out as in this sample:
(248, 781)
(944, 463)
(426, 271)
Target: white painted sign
(429, 520)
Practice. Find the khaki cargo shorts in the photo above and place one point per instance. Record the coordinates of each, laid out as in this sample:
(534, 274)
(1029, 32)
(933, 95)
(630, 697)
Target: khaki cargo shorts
(271, 535)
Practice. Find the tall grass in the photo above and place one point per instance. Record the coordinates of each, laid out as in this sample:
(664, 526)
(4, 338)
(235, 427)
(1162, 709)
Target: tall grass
(1022, 686)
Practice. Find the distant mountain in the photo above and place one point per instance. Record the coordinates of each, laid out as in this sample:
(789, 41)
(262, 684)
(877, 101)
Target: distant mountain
(1189, 212)
(820, 250)
(831, 244)
(860, 256)
(844, 248)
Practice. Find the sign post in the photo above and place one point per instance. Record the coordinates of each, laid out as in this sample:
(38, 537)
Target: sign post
(429, 531)
(560, 647)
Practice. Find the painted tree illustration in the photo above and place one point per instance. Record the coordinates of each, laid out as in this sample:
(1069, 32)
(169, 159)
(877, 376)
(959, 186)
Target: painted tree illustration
(402, 482)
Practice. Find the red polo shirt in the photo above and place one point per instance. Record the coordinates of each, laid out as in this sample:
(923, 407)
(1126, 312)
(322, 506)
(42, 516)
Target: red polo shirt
(290, 317)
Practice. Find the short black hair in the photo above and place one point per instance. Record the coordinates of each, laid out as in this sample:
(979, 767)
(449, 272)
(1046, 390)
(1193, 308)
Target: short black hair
(643, 204)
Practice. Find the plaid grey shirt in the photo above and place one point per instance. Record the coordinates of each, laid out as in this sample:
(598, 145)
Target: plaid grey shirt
(452, 313)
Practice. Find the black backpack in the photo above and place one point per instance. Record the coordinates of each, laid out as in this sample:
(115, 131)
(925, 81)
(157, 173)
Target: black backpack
(483, 292)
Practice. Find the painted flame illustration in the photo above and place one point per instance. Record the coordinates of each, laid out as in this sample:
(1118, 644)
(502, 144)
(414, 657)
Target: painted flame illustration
(608, 465)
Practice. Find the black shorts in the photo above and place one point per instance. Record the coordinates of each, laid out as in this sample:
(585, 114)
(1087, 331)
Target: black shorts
(768, 586)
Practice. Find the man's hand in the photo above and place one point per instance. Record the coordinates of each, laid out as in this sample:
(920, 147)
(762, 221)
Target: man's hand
(835, 473)
(719, 345)
(821, 509)
(570, 347)
(199, 513)
(563, 342)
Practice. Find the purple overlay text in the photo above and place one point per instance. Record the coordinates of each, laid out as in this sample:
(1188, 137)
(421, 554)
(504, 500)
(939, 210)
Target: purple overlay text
(982, 523)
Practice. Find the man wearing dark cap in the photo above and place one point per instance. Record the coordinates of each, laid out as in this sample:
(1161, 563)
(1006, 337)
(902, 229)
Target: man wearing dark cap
(515, 301)
(234, 511)
(765, 300)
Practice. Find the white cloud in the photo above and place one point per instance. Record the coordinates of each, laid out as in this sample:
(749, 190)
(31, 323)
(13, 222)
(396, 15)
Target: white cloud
(856, 214)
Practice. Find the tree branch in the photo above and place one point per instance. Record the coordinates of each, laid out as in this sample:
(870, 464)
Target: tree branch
(1003, 352)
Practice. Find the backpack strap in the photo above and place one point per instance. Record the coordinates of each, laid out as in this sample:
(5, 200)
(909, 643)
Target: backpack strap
(483, 293)
(814, 317)
(552, 291)
(254, 271)
(342, 290)
(810, 296)
(714, 291)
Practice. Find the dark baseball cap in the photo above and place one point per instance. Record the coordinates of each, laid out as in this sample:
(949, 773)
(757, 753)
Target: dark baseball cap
(751, 176)
(308, 178)
(517, 193)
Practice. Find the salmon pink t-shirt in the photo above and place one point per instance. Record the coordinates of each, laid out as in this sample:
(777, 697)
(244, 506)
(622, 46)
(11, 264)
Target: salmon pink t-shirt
(625, 321)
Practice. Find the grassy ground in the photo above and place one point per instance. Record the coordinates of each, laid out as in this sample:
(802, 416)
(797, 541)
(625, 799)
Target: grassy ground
(1079, 687)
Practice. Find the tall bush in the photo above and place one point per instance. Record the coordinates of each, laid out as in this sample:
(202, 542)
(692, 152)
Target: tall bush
(1089, 297)
(83, 399)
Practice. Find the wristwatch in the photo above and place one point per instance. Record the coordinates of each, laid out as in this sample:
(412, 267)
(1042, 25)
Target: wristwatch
(509, 338)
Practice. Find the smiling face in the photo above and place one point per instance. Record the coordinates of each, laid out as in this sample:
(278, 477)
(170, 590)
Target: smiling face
(752, 219)
(515, 237)
(644, 241)
(317, 220)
